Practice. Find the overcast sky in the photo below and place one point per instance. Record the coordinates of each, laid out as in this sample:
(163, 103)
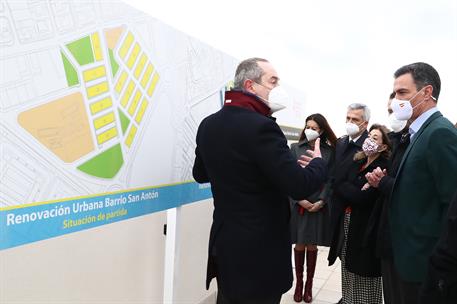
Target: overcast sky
(336, 52)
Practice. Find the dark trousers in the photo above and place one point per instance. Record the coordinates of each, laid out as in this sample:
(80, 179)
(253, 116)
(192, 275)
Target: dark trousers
(397, 291)
(390, 286)
(223, 299)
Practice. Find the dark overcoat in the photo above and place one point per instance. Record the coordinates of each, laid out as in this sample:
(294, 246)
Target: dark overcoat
(245, 157)
(344, 153)
(360, 253)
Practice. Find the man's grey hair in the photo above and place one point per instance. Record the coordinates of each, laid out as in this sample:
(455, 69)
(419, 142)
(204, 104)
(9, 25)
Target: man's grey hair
(361, 106)
(248, 69)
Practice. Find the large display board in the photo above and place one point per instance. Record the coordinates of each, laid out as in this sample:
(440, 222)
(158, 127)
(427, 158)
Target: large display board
(99, 107)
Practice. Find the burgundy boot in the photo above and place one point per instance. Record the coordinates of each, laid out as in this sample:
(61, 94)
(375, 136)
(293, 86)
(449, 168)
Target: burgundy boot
(311, 257)
(299, 261)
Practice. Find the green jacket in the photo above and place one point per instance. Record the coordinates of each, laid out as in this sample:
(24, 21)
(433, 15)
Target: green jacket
(423, 189)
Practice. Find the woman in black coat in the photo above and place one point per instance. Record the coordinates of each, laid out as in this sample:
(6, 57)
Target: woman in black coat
(361, 275)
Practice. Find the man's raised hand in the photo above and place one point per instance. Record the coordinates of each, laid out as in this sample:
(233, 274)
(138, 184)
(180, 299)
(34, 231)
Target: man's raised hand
(312, 154)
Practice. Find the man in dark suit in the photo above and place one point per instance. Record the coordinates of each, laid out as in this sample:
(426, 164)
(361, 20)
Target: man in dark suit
(243, 153)
(440, 285)
(357, 119)
(426, 178)
(384, 181)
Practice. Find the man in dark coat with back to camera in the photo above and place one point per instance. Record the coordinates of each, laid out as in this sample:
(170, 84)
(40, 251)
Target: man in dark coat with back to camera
(243, 153)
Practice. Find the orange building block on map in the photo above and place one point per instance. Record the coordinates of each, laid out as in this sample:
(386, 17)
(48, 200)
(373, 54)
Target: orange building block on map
(62, 126)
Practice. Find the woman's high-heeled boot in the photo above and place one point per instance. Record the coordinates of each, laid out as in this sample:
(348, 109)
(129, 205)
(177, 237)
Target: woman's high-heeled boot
(311, 257)
(299, 262)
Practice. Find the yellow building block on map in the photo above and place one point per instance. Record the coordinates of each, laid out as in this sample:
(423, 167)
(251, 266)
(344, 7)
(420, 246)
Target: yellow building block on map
(147, 75)
(128, 92)
(134, 103)
(101, 105)
(141, 111)
(104, 120)
(132, 133)
(97, 89)
(107, 135)
(140, 65)
(134, 55)
(96, 45)
(120, 82)
(94, 73)
(153, 84)
(126, 45)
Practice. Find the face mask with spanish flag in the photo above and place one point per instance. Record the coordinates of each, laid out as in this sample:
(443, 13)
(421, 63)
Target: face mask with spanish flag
(402, 109)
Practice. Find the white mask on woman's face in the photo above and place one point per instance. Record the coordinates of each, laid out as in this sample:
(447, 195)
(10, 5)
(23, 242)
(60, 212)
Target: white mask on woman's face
(311, 134)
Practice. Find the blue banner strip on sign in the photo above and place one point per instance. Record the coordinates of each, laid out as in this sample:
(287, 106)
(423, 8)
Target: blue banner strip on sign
(22, 225)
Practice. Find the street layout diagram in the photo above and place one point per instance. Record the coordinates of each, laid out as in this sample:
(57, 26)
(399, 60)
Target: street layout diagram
(97, 97)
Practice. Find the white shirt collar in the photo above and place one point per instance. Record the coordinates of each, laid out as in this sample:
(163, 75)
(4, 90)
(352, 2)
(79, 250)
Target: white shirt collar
(354, 139)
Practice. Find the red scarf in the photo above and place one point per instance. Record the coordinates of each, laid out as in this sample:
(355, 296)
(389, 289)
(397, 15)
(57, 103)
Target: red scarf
(247, 101)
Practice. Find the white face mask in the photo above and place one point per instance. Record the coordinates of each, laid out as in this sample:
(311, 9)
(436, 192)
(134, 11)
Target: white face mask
(278, 98)
(311, 134)
(395, 124)
(352, 129)
(402, 109)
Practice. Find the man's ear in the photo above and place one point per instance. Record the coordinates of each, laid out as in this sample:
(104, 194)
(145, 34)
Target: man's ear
(428, 92)
(248, 86)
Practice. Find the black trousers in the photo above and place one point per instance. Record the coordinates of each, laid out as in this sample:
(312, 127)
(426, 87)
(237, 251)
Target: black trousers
(397, 291)
(223, 299)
